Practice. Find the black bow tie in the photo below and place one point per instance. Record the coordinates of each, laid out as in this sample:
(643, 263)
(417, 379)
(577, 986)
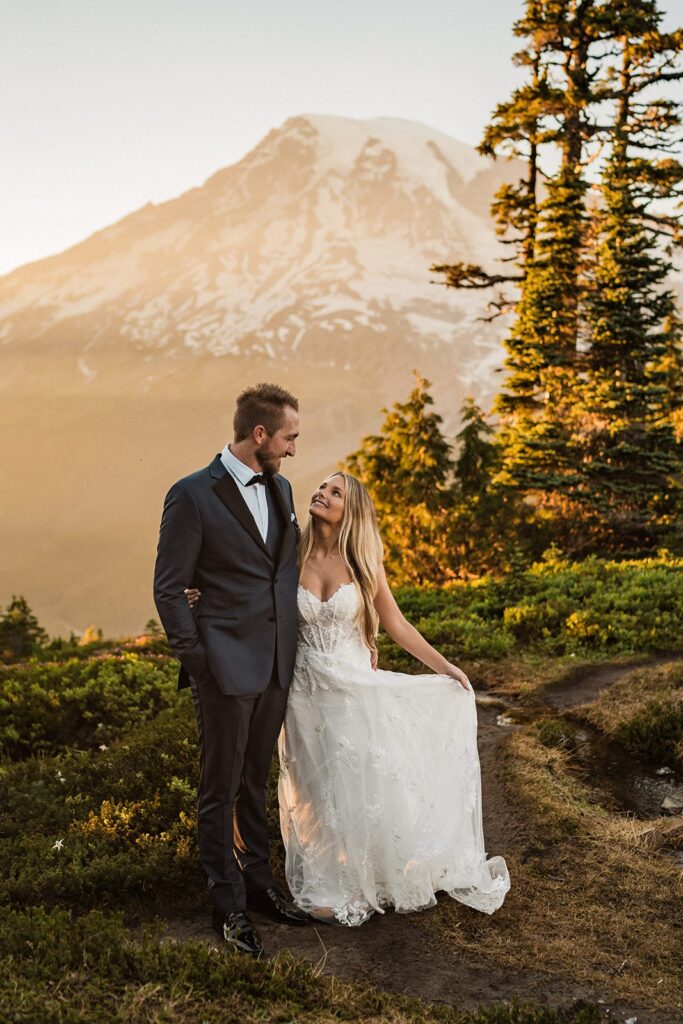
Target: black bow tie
(256, 479)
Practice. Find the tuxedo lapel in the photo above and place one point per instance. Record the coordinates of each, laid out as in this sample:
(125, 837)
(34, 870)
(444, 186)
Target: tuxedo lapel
(284, 511)
(280, 500)
(228, 491)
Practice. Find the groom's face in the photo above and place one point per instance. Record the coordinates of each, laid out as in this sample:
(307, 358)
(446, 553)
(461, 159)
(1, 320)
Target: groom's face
(280, 445)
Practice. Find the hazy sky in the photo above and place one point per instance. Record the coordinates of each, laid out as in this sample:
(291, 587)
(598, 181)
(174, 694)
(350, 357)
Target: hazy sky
(108, 104)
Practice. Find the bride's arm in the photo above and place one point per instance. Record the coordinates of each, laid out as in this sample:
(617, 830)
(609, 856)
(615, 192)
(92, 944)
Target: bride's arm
(406, 636)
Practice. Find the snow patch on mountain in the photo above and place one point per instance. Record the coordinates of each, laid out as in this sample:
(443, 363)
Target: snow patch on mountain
(325, 231)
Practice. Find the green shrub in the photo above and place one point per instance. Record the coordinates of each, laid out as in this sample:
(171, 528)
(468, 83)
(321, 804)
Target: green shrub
(116, 827)
(644, 712)
(48, 706)
(557, 608)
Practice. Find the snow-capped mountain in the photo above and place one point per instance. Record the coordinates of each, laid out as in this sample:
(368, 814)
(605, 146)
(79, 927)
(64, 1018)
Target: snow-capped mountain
(307, 263)
(327, 227)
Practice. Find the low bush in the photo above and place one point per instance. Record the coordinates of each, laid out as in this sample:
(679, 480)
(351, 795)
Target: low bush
(591, 608)
(655, 731)
(80, 702)
(102, 828)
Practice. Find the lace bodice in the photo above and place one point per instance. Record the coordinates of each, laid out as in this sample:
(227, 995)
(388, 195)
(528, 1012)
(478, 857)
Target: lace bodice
(329, 627)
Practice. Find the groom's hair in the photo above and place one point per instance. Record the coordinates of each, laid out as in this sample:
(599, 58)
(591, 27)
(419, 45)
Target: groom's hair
(261, 405)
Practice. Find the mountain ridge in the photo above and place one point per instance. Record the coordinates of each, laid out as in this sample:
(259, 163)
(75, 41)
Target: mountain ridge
(306, 262)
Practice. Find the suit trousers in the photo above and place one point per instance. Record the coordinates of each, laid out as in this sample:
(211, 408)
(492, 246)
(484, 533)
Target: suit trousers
(237, 737)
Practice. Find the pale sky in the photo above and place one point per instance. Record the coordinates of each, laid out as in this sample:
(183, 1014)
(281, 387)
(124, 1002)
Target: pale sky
(106, 105)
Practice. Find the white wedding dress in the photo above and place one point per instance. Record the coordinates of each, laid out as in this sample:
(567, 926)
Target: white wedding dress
(380, 791)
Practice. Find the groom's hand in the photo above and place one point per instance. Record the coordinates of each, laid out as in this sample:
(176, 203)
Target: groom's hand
(192, 595)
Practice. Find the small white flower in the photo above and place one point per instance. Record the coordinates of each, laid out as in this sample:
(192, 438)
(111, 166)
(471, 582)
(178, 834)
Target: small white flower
(59, 776)
(103, 746)
(100, 725)
(59, 843)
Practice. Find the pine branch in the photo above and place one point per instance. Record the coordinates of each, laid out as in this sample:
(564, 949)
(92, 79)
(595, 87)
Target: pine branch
(470, 276)
(501, 307)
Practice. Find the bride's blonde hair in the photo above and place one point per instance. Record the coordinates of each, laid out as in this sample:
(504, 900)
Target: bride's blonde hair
(360, 547)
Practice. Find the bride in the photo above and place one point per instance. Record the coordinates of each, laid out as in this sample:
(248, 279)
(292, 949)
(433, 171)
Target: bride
(379, 790)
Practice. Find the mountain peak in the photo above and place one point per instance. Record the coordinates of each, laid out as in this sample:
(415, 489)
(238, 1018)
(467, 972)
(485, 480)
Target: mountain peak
(305, 262)
(340, 141)
(325, 214)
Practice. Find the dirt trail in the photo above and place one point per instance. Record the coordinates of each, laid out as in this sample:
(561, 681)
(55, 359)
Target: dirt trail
(585, 684)
(401, 953)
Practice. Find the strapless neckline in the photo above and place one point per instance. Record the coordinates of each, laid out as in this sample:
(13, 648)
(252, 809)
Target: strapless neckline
(329, 599)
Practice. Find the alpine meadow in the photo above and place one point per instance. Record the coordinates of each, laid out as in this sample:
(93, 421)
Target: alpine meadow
(491, 342)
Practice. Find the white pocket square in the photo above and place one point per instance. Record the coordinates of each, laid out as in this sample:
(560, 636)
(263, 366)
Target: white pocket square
(292, 517)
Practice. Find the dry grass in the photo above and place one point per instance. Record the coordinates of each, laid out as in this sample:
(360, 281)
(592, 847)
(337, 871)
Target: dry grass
(522, 678)
(591, 899)
(644, 711)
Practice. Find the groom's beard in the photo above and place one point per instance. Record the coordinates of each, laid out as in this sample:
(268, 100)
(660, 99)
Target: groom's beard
(269, 463)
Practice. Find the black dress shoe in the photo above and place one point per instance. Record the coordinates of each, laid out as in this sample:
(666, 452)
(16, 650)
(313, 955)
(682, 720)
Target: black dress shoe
(238, 931)
(273, 903)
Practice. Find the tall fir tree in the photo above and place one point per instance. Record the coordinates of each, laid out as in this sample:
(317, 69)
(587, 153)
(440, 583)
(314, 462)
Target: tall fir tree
(408, 471)
(483, 519)
(546, 229)
(551, 403)
(632, 390)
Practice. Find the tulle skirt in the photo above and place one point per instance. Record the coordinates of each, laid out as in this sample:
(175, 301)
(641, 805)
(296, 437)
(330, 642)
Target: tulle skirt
(380, 791)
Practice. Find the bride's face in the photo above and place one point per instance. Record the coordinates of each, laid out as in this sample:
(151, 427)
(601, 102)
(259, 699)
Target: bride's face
(327, 503)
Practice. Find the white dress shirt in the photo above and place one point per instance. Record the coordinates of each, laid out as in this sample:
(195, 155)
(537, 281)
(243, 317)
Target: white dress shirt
(254, 496)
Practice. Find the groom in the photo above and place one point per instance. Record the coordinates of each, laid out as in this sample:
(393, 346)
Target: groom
(230, 530)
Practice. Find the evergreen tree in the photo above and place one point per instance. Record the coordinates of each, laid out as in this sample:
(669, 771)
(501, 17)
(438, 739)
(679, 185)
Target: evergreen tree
(558, 422)
(90, 635)
(408, 471)
(546, 229)
(486, 521)
(538, 409)
(537, 406)
(477, 455)
(20, 633)
(632, 392)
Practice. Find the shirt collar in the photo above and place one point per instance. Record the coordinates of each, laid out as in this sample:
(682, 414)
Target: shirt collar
(242, 473)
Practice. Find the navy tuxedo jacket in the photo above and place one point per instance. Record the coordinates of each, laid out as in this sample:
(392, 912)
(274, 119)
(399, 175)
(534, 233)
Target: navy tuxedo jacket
(245, 622)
